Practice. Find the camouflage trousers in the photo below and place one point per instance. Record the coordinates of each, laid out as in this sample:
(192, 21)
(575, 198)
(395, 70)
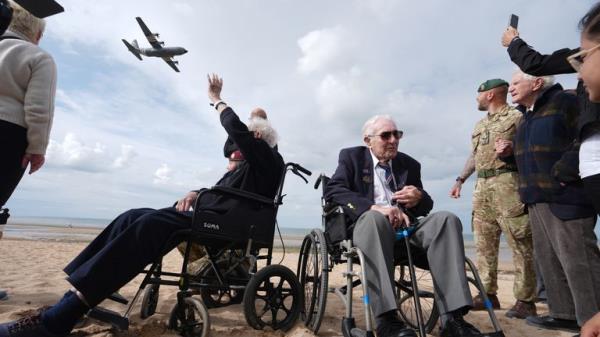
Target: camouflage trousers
(497, 209)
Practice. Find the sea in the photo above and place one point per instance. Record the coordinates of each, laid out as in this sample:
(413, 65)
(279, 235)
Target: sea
(86, 229)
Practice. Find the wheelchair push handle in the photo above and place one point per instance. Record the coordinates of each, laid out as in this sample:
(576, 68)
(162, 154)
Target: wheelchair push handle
(298, 170)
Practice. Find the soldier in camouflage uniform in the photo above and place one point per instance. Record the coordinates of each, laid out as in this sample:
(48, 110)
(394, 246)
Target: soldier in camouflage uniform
(496, 205)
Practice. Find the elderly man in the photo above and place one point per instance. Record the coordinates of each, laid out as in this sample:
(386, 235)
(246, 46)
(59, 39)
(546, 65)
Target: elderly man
(496, 205)
(138, 237)
(562, 218)
(370, 182)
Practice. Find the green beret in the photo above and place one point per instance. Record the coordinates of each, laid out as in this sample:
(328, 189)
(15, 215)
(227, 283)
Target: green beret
(491, 84)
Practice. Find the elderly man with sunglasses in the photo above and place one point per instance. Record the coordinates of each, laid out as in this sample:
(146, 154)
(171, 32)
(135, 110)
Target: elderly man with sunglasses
(381, 191)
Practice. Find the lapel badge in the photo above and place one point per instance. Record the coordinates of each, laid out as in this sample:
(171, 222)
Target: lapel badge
(367, 179)
(350, 206)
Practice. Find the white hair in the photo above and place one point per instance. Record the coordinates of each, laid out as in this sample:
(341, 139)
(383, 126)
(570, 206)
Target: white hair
(26, 23)
(369, 126)
(548, 80)
(267, 132)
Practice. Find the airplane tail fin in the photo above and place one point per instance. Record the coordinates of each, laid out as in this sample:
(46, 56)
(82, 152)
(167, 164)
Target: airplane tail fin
(134, 49)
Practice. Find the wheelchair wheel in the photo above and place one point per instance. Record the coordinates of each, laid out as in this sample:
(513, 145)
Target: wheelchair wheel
(192, 320)
(214, 298)
(149, 301)
(405, 300)
(272, 298)
(313, 271)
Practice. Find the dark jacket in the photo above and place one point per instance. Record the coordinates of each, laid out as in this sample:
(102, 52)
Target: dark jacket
(534, 63)
(351, 186)
(543, 142)
(261, 170)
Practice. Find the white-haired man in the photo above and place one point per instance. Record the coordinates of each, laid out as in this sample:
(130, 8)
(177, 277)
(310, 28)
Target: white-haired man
(562, 217)
(370, 183)
(138, 236)
(27, 89)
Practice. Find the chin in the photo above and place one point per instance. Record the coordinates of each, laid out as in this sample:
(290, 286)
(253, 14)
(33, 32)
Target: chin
(594, 95)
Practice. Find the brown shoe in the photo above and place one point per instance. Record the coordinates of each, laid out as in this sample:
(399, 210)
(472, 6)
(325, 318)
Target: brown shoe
(479, 305)
(522, 310)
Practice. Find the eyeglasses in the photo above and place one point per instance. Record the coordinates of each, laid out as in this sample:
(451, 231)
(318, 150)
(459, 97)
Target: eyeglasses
(387, 134)
(576, 60)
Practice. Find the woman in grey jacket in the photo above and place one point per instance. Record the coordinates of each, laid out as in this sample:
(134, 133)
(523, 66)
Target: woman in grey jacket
(27, 91)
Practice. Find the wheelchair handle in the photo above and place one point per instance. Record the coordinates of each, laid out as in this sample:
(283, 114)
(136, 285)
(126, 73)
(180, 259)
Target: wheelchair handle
(297, 167)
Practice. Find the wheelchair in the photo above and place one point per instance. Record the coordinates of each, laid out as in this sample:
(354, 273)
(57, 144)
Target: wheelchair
(271, 296)
(324, 248)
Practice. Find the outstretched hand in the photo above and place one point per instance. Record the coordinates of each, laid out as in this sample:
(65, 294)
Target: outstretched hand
(215, 85)
(509, 34)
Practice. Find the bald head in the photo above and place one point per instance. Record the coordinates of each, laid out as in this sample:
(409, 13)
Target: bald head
(258, 113)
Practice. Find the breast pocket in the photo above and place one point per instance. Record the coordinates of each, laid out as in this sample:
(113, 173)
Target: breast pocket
(475, 138)
(506, 132)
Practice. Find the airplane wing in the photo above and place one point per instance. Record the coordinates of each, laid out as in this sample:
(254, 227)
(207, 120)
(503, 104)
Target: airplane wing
(149, 35)
(171, 63)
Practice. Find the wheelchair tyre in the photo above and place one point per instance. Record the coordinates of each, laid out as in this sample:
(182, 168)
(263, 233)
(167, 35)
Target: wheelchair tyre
(272, 298)
(405, 299)
(313, 273)
(149, 301)
(192, 321)
(220, 298)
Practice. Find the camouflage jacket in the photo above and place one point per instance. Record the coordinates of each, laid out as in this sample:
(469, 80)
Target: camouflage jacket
(502, 124)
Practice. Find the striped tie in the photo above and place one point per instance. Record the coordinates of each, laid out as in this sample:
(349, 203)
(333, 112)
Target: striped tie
(389, 179)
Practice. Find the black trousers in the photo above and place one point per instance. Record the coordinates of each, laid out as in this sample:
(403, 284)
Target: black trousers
(13, 143)
(591, 185)
(131, 241)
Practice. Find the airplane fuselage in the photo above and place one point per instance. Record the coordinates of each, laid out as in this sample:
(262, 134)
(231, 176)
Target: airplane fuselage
(163, 52)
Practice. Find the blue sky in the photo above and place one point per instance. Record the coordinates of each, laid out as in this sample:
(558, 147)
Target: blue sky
(132, 134)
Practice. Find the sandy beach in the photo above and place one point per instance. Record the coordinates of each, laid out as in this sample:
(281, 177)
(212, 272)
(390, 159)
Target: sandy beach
(31, 270)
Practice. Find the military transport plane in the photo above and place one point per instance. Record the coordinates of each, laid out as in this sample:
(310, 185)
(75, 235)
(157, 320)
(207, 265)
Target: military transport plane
(157, 50)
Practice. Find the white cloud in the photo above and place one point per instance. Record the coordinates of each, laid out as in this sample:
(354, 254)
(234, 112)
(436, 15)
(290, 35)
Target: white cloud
(163, 174)
(73, 153)
(322, 49)
(127, 155)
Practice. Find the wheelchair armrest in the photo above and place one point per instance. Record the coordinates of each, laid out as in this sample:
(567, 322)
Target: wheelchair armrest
(222, 190)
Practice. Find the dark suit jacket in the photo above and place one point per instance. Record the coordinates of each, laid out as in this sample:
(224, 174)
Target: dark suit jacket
(351, 186)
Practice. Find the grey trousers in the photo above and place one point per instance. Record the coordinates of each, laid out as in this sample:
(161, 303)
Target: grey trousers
(439, 237)
(569, 260)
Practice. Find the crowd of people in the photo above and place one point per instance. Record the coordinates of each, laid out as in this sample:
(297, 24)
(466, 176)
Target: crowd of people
(538, 182)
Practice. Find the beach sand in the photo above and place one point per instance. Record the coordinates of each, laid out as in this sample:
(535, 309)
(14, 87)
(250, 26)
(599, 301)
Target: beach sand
(31, 271)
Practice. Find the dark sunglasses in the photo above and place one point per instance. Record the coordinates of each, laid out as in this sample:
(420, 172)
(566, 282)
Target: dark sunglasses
(387, 134)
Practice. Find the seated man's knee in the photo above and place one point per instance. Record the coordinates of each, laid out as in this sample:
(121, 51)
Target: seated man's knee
(448, 220)
(373, 220)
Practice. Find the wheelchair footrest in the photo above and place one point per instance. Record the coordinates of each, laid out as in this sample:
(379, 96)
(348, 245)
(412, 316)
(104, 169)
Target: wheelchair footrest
(118, 298)
(108, 316)
(356, 332)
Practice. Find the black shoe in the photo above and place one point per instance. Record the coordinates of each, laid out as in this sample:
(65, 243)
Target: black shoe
(30, 326)
(3, 295)
(456, 326)
(551, 323)
(394, 328)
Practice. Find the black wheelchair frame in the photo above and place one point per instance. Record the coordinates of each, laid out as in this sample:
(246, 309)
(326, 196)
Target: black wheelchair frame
(324, 248)
(271, 291)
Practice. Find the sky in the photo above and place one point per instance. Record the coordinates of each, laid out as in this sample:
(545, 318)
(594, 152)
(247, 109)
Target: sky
(130, 133)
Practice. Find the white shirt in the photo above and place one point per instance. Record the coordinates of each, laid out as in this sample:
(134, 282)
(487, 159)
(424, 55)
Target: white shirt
(589, 156)
(382, 194)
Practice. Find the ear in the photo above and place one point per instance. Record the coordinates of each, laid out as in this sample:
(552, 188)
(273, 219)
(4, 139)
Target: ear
(367, 141)
(538, 84)
(490, 95)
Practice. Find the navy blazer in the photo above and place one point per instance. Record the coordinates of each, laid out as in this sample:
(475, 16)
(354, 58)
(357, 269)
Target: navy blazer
(351, 186)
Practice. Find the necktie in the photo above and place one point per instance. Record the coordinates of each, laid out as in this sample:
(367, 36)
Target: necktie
(389, 179)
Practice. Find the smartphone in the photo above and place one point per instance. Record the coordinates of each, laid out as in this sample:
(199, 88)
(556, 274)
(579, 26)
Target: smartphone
(514, 21)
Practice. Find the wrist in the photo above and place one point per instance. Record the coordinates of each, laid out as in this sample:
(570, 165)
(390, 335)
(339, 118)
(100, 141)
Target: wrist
(460, 179)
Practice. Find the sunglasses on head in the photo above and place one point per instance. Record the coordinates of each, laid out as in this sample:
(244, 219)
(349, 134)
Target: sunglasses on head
(387, 134)
(576, 60)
